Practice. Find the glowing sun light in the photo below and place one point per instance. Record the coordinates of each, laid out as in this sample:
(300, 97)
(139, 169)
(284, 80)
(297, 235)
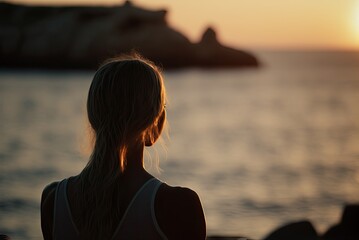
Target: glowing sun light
(356, 21)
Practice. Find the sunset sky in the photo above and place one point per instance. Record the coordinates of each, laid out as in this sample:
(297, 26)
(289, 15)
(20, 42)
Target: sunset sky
(258, 24)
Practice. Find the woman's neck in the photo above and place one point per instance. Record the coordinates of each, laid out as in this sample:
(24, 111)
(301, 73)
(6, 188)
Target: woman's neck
(134, 158)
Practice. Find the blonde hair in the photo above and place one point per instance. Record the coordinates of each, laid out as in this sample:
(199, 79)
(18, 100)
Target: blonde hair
(125, 100)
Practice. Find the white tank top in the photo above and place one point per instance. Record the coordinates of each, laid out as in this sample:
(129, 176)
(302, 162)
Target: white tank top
(138, 222)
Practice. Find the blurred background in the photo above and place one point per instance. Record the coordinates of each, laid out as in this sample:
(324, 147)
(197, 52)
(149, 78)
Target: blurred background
(262, 146)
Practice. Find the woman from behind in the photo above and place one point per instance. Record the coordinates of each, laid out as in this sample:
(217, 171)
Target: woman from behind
(114, 197)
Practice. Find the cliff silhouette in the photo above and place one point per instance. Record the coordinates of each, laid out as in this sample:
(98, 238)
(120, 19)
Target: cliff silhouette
(82, 37)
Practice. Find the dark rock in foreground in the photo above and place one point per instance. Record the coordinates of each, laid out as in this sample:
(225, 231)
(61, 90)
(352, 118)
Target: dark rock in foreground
(302, 230)
(348, 228)
(82, 37)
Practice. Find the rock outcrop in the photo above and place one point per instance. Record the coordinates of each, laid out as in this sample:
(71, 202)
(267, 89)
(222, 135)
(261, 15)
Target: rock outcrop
(82, 37)
(302, 230)
(348, 227)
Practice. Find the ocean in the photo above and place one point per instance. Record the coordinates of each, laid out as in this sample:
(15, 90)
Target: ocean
(262, 147)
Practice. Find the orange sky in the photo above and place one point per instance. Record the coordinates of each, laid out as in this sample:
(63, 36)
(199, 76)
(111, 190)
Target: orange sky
(259, 24)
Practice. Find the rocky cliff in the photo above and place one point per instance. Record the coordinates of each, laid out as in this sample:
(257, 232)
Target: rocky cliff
(82, 37)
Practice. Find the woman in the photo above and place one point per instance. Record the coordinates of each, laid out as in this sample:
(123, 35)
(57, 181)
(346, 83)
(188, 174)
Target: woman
(114, 197)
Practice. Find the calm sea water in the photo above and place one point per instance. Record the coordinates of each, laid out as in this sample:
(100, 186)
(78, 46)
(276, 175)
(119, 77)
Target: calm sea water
(261, 147)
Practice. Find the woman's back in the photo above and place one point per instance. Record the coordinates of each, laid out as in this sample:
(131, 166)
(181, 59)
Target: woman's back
(177, 213)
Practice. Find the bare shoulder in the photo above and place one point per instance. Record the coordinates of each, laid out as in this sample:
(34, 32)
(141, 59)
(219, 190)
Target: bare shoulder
(47, 207)
(179, 213)
(48, 190)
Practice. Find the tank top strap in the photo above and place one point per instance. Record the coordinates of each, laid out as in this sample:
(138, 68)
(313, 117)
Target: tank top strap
(139, 221)
(64, 227)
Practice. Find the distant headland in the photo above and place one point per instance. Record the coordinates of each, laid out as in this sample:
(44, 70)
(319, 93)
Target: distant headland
(82, 37)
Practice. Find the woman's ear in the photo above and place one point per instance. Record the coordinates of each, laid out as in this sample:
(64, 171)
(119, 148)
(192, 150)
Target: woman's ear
(148, 139)
(155, 131)
(161, 122)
